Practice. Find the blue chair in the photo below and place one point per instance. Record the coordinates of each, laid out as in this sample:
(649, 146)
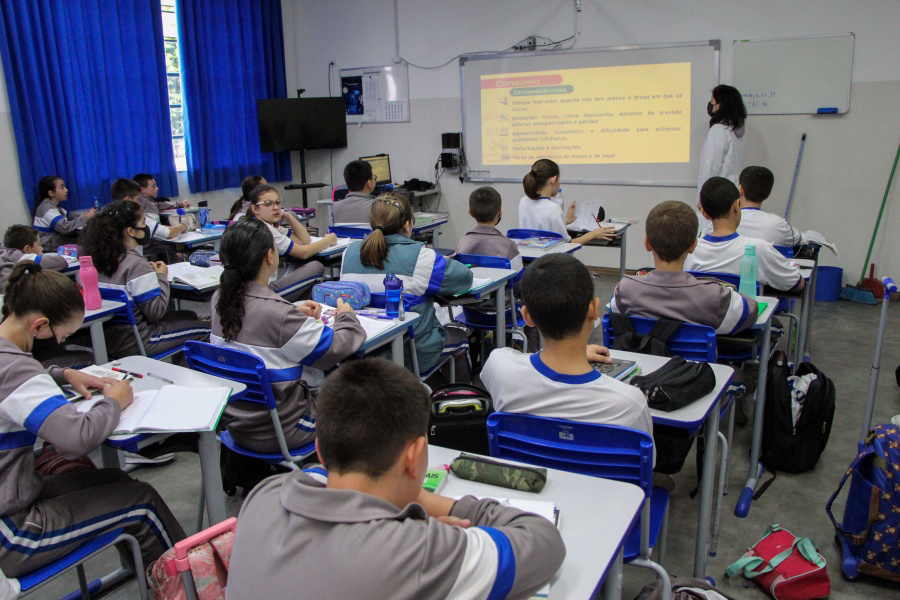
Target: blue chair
(690, 341)
(126, 317)
(596, 450)
(522, 234)
(250, 370)
(482, 321)
(33, 581)
(344, 231)
(786, 251)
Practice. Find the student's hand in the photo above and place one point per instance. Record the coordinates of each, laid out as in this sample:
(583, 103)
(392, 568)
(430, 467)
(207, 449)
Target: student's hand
(597, 354)
(159, 267)
(606, 233)
(82, 381)
(331, 238)
(570, 214)
(186, 203)
(455, 521)
(90, 213)
(343, 307)
(310, 308)
(121, 392)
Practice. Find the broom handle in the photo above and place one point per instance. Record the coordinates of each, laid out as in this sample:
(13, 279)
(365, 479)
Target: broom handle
(887, 191)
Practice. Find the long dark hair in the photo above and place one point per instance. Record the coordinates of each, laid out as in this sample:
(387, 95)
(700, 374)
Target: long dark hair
(541, 172)
(46, 185)
(731, 107)
(31, 289)
(244, 246)
(101, 238)
(246, 186)
(387, 216)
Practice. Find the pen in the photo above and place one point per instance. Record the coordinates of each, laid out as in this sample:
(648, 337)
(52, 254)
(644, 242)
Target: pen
(163, 379)
(129, 373)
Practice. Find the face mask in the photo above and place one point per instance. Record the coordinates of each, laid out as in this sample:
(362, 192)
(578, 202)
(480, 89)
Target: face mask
(709, 108)
(144, 240)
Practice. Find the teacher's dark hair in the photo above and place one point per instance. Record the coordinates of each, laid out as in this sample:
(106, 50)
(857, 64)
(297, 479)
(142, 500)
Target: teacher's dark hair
(102, 236)
(541, 171)
(244, 246)
(31, 289)
(731, 107)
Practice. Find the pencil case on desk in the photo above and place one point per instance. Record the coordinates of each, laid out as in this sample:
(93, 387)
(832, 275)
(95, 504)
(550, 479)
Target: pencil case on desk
(483, 470)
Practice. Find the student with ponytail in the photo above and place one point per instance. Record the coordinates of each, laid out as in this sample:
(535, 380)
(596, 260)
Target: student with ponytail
(294, 344)
(425, 274)
(242, 204)
(538, 211)
(112, 239)
(45, 518)
(52, 220)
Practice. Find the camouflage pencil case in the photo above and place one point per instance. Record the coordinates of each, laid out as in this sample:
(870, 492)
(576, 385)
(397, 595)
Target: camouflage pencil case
(483, 470)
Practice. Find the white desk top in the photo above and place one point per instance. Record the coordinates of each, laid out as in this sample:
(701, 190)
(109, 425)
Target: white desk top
(498, 278)
(766, 314)
(192, 238)
(594, 516)
(535, 253)
(108, 307)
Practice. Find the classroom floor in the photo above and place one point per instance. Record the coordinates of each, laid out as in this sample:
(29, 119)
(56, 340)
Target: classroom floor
(844, 339)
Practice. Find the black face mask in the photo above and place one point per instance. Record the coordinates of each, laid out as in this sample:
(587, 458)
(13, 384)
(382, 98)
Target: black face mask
(709, 108)
(144, 240)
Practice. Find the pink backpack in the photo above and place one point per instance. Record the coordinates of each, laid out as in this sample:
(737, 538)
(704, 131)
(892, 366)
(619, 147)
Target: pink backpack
(197, 567)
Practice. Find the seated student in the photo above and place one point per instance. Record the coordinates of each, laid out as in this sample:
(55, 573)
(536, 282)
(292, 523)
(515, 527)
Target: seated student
(252, 318)
(112, 239)
(722, 250)
(45, 518)
(52, 220)
(538, 211)
(128, 189)
(354, 208)
(425, 274)
(21, 242)
(242, 204)
(558, 298)
(668, 292)
(150, 190)
(371, 531)
(485, 206)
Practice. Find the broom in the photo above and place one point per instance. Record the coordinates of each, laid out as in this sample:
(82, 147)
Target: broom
(858, 293)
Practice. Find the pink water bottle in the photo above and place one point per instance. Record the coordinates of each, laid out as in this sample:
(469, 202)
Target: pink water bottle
(90, 289)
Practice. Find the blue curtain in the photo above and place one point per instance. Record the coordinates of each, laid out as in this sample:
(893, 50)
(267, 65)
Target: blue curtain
(88, 95)
(232, 54)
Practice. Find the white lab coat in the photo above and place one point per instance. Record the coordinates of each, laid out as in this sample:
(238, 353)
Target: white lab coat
(722, 154)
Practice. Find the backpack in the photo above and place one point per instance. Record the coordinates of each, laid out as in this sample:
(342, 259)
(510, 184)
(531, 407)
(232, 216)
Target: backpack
(653, 342)
(241, 471)
(209, 556)
(683, 588)
(458, 418)
(869, 532)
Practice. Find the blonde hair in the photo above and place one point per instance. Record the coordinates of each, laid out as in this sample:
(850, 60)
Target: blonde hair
(389, 213)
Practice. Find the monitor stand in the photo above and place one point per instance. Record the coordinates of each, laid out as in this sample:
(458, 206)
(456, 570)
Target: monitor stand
(303, 185)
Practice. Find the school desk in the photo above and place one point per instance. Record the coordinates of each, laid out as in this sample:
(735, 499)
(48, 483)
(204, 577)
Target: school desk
(594, 518)
(192, 239)
(530, 255)
(94, 320)
(429, 229)
(497, 286)
(620, 242)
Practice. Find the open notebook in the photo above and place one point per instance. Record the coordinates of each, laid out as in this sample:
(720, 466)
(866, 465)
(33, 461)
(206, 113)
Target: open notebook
(372, 325)
(340, 241)
(171, 408)
(201, 278)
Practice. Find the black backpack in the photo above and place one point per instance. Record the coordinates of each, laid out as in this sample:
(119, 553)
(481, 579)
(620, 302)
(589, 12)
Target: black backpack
(458, 418)
(653, 342)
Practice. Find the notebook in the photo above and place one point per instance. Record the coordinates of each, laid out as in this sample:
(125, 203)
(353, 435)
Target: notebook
(201, 278)
(618, 368)
(372, 325)
(171, 408)
(340, 241)
(541, 243)
(477, 284)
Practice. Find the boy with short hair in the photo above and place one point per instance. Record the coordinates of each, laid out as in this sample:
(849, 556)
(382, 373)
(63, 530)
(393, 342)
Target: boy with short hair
(668, 292)
(371, 531)
(558, 381)
(23, 242)
(129, 189)
(354, 208)
(150, 190)
(722, 250)
(486, 207)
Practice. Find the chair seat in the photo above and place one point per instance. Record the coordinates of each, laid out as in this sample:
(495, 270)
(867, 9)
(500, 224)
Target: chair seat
(167, 353)
(659, 500)
(269, 457)
(46, 572)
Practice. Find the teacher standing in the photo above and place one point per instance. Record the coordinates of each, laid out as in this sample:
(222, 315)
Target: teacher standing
(723, 151)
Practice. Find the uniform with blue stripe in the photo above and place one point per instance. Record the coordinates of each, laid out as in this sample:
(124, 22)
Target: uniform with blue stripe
(55, 226)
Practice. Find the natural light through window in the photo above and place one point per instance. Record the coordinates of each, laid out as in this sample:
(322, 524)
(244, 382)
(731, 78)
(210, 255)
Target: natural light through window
(173, 74)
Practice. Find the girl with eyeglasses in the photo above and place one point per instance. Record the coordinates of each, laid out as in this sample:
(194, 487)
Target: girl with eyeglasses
(45, 518)
(425, 274)
(112, 239)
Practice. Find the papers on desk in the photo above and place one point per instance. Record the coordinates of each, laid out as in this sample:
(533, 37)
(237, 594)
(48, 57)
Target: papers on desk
(340, 241)
(188, 237)
(171, 408)
(586, 212)
(201, 278)
(477, 284)
(72, 395)
(541, 243)
(372, 326)
(426, 218)
(72, 260)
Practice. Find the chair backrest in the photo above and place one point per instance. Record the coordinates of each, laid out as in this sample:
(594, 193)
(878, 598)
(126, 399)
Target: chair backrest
(480, 260)
(591, 449)
(339, 192)
(234, 365)
(786, 251)
(521, 234)
(126, 315)
(357, 233)
(690, 341)
(731, 278)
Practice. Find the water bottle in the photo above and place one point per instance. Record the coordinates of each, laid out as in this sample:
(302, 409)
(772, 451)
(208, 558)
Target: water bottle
(749, 271)
(96, 203)
(203, 217)
(393, 293)
(558, 199)
(89, 287)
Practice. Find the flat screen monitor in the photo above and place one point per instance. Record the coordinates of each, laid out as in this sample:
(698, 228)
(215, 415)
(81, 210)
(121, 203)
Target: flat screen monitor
(301, 124)
(381, 167)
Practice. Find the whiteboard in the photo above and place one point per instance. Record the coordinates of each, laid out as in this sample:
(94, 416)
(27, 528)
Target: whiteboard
(376, 94)
(803, 75)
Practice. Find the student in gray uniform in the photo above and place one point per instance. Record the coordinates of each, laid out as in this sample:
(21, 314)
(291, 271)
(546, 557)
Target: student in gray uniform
(242, 204)
(127, 189)
(112, 238)
(486, 207)
(291, 340)
(371, 531)
(150, 190)
(21, 242)
(52, 220)
(44, 518)
(354, 208)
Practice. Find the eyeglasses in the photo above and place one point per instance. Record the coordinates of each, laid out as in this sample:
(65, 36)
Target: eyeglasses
(268, 203)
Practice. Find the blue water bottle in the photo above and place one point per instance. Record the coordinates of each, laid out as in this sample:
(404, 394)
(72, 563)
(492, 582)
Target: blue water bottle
(393, 291)
(203, 217)
(749, 271)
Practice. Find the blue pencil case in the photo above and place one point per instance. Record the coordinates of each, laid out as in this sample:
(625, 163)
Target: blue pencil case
(354, 293)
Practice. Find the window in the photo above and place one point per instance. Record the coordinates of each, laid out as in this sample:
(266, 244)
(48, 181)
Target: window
(173, 73)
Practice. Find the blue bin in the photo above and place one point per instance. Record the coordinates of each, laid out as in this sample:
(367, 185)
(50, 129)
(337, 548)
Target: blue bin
(828, 284)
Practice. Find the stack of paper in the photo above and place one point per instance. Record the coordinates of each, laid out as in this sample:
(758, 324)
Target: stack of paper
(340, 241)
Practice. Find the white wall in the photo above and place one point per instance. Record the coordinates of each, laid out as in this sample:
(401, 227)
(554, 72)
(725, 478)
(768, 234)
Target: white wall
(847, 158)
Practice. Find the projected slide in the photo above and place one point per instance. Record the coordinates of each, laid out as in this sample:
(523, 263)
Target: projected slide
(634, 114)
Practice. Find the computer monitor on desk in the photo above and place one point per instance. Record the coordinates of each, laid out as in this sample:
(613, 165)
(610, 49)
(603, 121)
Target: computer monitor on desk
(381, 167)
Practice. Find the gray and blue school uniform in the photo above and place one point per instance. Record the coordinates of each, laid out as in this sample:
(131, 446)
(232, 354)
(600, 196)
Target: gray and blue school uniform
(44, 518)
(295, 348)
(158, 231)
(148, 292)
(490, 241)
(9, 257)
(425, 274)
(354, 208)
(54, 225)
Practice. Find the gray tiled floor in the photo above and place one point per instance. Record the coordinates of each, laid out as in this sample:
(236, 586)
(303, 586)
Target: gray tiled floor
(844, 337)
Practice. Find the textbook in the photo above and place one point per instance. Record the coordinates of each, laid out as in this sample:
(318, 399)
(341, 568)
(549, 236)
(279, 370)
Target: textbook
(541, 243)
(72, 395)
(426, 218)
(477, 284)
(171, 408)
(373, 325)
(201, 278)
